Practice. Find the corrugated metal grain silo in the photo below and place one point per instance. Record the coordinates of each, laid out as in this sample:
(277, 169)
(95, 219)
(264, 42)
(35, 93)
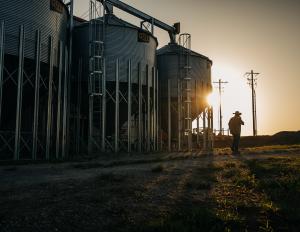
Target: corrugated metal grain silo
(170, 64)
(122, 43)
(32, 31)
(49, 16)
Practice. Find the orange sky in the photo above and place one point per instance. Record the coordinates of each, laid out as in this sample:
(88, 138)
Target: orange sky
(240, 35)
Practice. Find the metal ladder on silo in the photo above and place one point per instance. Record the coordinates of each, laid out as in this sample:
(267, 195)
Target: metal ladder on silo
(96, 74)
(185, 43)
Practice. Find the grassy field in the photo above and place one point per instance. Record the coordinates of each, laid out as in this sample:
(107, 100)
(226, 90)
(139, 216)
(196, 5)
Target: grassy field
(256, 191)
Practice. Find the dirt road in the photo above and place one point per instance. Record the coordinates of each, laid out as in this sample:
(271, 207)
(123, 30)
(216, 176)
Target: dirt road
(258, 191)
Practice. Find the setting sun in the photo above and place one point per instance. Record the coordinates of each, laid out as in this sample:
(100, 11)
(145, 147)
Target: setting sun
(212, 99)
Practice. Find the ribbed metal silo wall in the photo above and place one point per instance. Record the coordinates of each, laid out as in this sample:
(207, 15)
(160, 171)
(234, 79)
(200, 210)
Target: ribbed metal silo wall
(29, 111)
(34, 15)
(170, 65)
(121, 43)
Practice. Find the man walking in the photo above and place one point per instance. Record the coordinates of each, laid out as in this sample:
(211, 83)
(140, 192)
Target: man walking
(235, 129)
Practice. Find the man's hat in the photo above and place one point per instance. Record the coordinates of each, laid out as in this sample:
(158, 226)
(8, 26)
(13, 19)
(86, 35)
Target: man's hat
(237, 113)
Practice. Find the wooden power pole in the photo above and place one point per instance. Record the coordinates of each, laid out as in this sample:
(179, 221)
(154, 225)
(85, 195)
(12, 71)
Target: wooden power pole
(220, 83)
(252, 81)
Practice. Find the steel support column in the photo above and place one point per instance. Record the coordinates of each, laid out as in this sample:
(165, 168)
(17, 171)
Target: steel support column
(204, 130)
(36, 94)
(154, 109)
(65, 103)
(211, 135)
(50, 94)
(208, 128)
(78, 106)
(198, 129)
(158, 114)
(197, 106)
(2, 41)
(129, 108)
(103, 134)
(169, 115)
(91, 109)
(212, 118)
(179, 108)
(140, 82)
(58, 118)
(19, 94)
(148, 109)
(117, 110)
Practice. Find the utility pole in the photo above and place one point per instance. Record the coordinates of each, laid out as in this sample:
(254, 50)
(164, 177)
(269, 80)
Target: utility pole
(252, 81)
(220, 83)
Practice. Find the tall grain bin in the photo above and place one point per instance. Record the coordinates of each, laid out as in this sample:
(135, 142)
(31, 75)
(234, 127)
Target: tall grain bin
(33, 36)
(170, 64)
(123, 43)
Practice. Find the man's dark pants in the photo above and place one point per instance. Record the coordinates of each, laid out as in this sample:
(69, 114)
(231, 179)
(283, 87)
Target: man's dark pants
(235, 142)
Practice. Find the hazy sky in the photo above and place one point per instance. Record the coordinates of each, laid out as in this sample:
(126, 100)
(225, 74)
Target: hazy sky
(240, 35)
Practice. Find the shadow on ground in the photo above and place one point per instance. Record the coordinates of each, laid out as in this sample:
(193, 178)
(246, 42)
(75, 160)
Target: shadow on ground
(188, 192)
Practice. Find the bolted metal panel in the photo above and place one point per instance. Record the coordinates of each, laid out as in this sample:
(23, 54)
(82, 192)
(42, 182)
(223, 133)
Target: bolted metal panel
(34, 15)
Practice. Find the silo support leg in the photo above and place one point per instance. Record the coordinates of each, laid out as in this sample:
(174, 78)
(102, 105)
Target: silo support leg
(179, 107)
(19, 94)
(103, 135)
(208, 129)
(50, 94)
(157, 112)
(129, 109)
(148, 109)
(58, 118)
(117, 110)
(211, 139)
(2, 39)
(169, 115)
(36, 95)
(154, 108)
(198, 128)
(197, 111)
(78, 126)
(140, 108)
(65, 96)
(204, 130)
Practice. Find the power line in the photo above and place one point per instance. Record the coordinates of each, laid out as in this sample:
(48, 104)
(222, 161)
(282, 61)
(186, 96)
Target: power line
(220, 83)
(252, 81)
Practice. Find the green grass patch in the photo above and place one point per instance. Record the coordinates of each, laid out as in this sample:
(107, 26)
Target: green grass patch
(279, 178)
